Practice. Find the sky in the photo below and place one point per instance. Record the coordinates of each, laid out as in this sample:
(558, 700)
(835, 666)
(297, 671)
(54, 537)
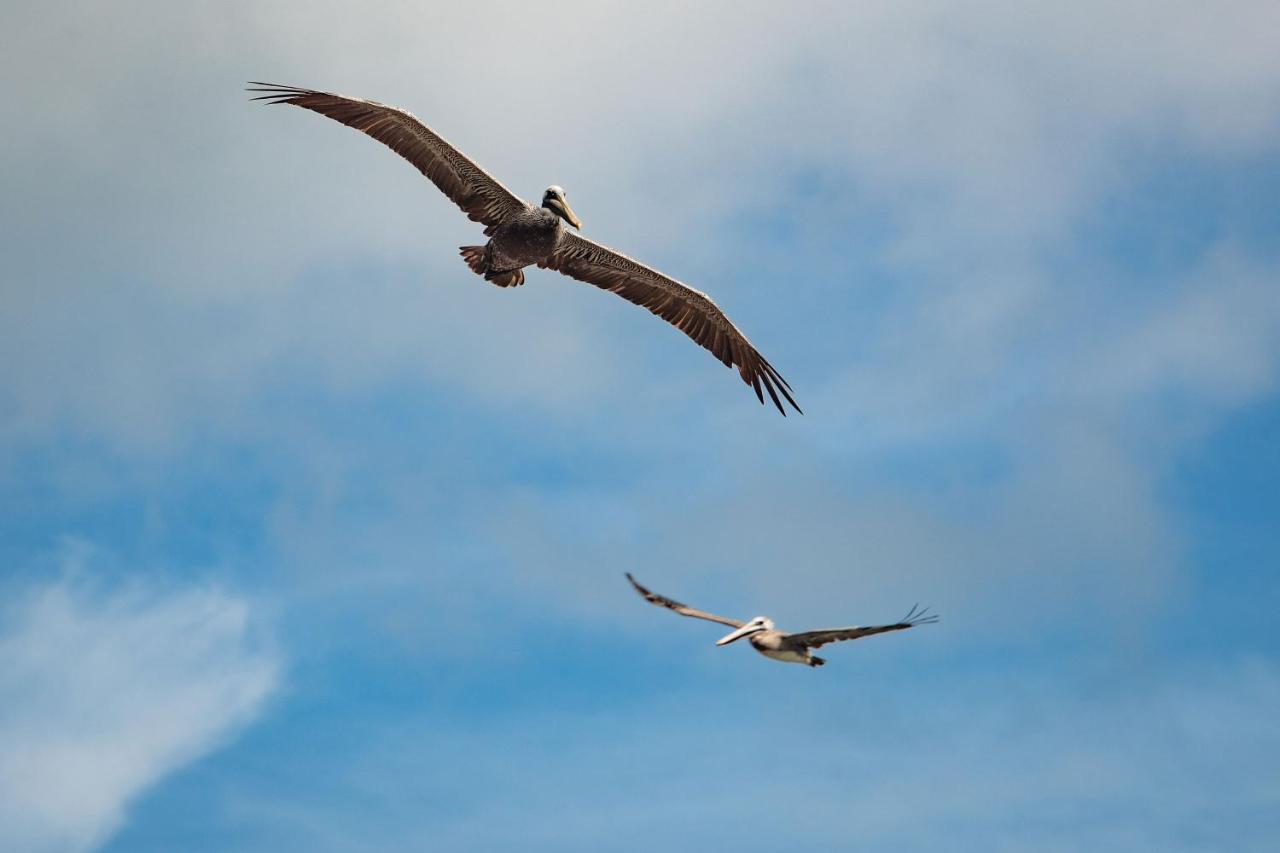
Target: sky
(311, 539)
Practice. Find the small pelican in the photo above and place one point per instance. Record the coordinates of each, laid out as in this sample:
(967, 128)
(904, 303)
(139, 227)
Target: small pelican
(779, 645)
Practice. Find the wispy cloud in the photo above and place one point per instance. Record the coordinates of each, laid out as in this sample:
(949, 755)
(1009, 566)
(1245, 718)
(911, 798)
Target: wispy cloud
(104, 690)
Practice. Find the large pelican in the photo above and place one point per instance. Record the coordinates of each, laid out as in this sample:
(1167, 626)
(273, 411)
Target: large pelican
(779, 645)
(521, 234)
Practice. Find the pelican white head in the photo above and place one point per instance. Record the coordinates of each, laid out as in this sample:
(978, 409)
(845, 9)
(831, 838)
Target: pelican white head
(756, 625)
(553, 199)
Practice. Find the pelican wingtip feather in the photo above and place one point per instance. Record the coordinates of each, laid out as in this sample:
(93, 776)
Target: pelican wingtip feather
(918, 615)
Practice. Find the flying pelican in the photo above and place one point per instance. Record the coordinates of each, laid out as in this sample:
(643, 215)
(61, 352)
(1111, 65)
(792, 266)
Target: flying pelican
(521, 234)
(779, 645)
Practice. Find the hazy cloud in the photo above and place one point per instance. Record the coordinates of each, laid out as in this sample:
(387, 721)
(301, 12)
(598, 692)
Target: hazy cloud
(103, 692)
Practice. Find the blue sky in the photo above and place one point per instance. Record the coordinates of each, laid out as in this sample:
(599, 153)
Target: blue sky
(310, 539)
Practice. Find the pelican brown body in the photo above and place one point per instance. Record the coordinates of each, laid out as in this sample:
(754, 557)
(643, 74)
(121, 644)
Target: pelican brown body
(527, 237)
(522, 235)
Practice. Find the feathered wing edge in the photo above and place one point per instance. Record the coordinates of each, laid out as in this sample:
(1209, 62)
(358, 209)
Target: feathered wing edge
(682, 609)
(689, 310)
(481, 196)
(816, 639)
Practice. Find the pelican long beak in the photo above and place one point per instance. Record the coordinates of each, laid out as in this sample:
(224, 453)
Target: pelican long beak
(567, 212)
(738, 634)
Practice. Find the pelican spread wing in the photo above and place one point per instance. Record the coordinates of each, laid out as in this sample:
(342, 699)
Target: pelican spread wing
(691, 311)
(818, 639)
(473, 189)
(682, 609)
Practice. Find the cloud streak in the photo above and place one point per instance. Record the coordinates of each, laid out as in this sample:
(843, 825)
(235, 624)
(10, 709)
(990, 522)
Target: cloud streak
(103, 692)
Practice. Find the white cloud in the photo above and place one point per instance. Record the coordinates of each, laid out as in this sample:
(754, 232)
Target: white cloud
(104, 691)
